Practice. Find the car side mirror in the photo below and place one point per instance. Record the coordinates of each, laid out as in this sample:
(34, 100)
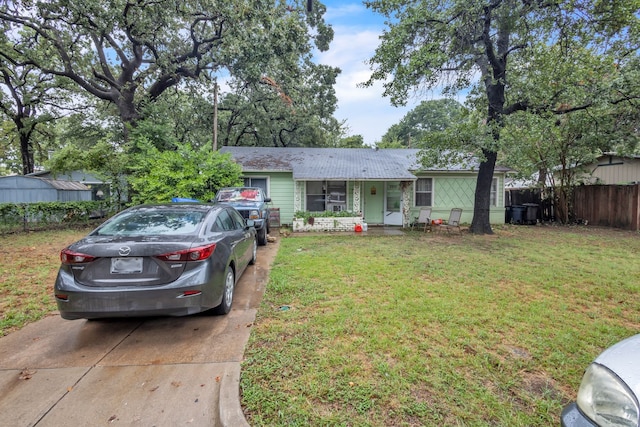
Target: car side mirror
(267, 199)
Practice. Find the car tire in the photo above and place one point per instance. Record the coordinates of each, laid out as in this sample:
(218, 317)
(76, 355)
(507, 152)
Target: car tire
(254, 252)
(227, 292)
(262, 236)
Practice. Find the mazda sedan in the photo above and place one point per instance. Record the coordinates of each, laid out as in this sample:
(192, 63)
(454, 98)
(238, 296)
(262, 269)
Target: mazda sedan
(149, 260)
(610, 388)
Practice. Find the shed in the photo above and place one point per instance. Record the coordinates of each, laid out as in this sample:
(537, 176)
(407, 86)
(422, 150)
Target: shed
(28, 189)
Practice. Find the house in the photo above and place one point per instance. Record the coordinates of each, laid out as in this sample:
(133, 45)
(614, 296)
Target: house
(610, 168)
(387, 186)
(29, 189)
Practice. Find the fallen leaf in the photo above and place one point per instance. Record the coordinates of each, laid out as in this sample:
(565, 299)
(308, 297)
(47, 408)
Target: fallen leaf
(155, 388)
(112, 418)
(217, 379)
(70, 389)
(176, 383)
(26, 374)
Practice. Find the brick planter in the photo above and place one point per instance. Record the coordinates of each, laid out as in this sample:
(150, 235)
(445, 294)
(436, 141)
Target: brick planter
(328, 224)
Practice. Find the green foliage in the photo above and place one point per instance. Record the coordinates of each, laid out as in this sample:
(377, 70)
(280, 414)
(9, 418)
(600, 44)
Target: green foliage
(502, 50)
(159, 176)
(355, 141)
(106, 161)
(289, 106)
(427, 118)
(44, 215)
(248, 39)
(326, 214)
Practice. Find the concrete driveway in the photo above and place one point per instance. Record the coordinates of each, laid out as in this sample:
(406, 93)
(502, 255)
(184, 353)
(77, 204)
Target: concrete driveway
(142, 372)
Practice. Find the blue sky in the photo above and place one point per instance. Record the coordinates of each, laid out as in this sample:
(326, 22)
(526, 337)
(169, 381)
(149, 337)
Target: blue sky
(357, 29)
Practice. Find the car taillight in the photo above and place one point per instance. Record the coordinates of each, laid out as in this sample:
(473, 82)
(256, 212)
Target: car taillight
(70, 257)
(194, 254)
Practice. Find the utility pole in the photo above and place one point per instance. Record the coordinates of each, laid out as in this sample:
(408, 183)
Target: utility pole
(215, 116)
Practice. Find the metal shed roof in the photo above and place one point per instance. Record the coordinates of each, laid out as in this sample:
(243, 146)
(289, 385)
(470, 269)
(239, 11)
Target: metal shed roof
(21, 182)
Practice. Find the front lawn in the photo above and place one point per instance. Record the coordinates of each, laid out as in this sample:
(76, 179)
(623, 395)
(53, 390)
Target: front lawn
(432, 329)
(29, 264)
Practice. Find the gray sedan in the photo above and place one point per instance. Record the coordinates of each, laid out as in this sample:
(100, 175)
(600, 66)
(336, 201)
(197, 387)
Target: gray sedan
(608, 394)
(168, 259)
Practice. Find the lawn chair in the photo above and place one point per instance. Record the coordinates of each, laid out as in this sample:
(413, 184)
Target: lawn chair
(424, 217)
(453, 221)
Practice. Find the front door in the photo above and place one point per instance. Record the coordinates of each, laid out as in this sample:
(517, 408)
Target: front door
(393, 204)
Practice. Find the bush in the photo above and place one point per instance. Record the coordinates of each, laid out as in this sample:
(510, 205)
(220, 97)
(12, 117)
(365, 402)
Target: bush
(44, 215)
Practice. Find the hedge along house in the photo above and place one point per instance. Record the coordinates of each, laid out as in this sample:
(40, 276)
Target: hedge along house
(386, 186)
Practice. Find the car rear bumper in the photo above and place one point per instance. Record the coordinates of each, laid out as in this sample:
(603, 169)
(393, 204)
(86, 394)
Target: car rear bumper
(572, 417)
(180, 298)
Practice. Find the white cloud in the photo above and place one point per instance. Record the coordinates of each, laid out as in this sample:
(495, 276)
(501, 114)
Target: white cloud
(365, 110)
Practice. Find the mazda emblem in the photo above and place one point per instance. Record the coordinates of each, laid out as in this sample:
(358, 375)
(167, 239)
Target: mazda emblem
(124, 251)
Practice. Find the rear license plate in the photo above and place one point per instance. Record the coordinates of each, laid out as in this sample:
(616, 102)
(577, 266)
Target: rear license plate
(131, 265)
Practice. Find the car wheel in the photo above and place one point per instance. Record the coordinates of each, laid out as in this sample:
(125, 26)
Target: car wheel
(227, 292)
(262, 236)
(254, 252)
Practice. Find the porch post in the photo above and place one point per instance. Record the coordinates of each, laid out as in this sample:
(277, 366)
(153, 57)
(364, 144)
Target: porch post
(297, 196)
(406, 199)
(357, 190)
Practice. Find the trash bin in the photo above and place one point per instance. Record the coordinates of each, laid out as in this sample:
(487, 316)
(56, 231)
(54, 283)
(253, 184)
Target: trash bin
(517, 214)
(531, 216)
(508, 215)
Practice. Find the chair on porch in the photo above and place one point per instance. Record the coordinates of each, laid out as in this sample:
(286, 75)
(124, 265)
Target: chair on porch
(424, 217)
(453, 221)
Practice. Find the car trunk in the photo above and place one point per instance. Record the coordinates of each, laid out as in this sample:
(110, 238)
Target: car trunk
(127, 262)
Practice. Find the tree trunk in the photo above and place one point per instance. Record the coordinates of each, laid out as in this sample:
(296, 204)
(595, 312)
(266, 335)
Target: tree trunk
(26, 149)
(27, 154)
(482, 204)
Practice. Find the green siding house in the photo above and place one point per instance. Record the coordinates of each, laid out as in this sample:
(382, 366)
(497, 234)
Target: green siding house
(386, 186)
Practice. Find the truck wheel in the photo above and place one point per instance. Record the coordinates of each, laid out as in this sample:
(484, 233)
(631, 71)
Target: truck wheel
(262, 236)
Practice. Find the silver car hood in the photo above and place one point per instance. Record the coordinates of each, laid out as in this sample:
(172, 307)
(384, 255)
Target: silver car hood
(623, 358)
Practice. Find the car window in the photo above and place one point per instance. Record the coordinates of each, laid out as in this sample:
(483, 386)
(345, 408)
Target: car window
(239, 195)
(238, 219)
(224, 221)
(146, 223)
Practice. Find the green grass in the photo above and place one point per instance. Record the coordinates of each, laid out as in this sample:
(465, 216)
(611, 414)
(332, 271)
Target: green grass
(431, 329)
(28, 266)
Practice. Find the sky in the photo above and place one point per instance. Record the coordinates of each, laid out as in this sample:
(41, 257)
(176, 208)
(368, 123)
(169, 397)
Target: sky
(365, 110)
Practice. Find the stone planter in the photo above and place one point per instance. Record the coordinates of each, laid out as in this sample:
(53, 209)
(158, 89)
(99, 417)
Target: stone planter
(347, 223)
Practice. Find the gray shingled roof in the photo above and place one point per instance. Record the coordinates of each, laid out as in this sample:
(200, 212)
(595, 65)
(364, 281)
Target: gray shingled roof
(331, 163)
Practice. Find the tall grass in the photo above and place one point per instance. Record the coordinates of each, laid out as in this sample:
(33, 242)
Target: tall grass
(431, 329)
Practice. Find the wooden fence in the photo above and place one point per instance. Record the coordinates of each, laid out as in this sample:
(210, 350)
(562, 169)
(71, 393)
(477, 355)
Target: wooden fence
(608, 205)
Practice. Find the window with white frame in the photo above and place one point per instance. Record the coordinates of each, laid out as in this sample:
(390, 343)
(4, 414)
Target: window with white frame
(494, 192)
(256, 182)
(326, 196)
(424, 192)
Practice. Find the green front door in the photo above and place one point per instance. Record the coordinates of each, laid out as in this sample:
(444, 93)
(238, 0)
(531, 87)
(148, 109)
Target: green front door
(373, 197)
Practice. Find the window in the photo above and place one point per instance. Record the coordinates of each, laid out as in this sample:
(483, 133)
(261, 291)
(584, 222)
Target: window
(256, 182)
(424, 192)
(225, 222)
(238, 219)
(326, 196)
(494, 192)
